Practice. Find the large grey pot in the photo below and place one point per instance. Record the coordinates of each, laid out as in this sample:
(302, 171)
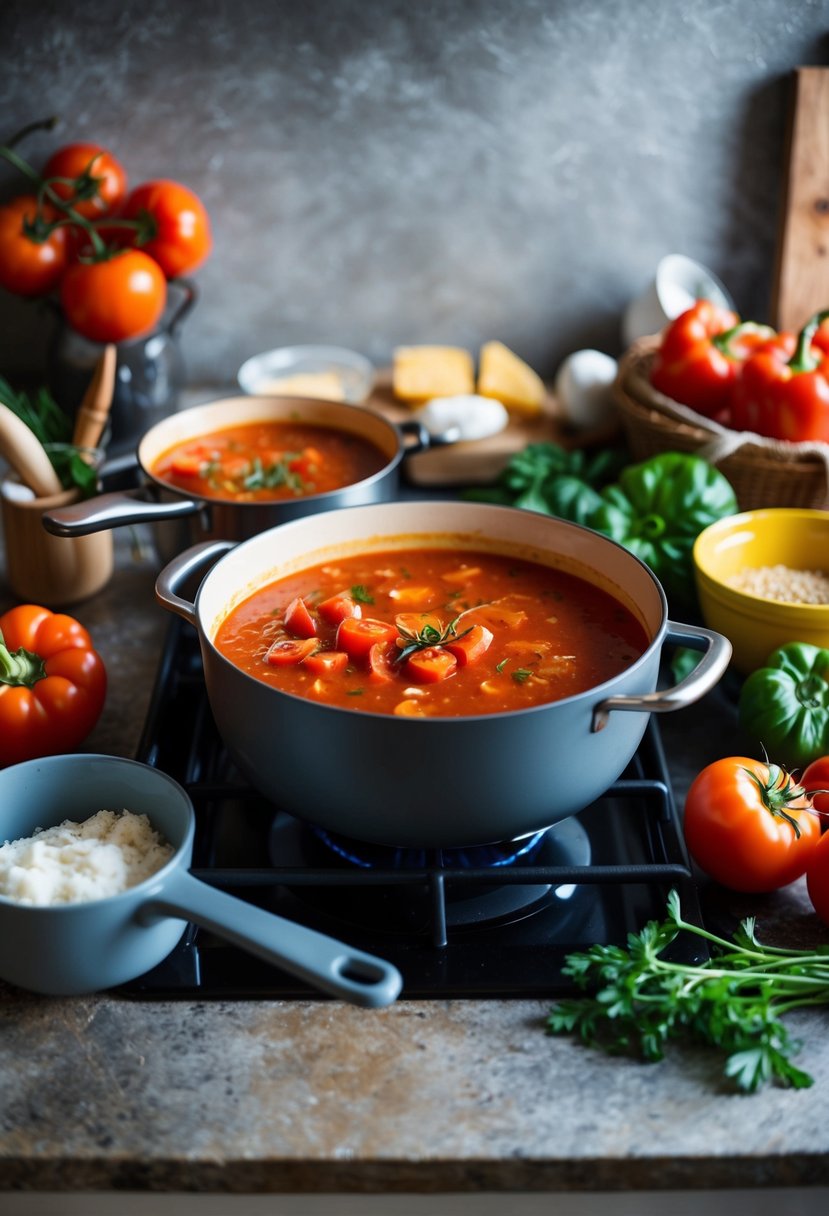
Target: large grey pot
(434, 782)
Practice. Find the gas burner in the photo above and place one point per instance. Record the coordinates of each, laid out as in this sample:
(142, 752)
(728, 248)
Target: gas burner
(473, 890)
(473, 857)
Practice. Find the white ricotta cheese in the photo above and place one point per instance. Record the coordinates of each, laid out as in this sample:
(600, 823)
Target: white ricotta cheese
(76, 862)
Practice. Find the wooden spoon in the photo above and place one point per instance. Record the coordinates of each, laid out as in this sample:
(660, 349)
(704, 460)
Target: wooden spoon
(24, 452)
(95, 406)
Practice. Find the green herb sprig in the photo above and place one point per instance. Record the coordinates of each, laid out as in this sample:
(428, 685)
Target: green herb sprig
(733, 1002)
(280, 473)
(427, 637)
(52, 427)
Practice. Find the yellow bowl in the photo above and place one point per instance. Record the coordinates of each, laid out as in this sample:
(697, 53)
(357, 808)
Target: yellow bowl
(754, 624)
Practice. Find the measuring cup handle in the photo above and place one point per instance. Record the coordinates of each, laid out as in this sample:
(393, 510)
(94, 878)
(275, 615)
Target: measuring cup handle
(320, 960)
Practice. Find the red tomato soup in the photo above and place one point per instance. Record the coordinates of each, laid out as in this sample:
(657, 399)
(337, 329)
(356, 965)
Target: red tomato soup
(269, 460)
(431, 633)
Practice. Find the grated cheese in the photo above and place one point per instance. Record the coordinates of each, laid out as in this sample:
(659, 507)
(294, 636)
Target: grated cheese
(77, 862)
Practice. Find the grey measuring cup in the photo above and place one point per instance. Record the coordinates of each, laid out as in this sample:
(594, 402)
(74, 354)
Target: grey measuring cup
(74, 948)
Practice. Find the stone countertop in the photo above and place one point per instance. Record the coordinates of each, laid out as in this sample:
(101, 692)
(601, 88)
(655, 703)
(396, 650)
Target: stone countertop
(104, 1093)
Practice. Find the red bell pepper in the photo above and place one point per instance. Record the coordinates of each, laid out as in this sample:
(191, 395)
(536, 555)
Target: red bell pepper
(783, 395)
(52, 683)
(700, 354)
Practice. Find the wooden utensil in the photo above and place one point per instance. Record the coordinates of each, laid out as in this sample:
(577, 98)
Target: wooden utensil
(97, 400)
(24, 452)
(801, 281)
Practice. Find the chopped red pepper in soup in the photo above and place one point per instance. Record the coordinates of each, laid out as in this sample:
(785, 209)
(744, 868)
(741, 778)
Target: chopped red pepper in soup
(432, 632)
(269, 460)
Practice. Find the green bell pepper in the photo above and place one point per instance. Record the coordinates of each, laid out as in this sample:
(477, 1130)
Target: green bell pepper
(784, 706)
(658, 508)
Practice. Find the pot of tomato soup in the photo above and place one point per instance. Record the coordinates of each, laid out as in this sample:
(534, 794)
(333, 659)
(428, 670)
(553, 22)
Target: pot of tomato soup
(433, 674)
(236, 467)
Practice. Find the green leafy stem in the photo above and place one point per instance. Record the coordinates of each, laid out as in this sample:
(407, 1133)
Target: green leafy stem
(734, 1002)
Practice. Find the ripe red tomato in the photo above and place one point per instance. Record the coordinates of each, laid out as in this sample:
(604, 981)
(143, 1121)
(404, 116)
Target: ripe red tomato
(748, 825)
(817, 879)
(99, 181)
(29, 267)
(183, 238)
(119, 298)
(816, 777)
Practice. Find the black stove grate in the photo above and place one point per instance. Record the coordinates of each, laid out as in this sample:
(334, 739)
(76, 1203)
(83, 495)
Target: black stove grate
(454, 928)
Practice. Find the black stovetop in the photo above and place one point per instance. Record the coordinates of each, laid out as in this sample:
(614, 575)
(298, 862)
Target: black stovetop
(472, 925)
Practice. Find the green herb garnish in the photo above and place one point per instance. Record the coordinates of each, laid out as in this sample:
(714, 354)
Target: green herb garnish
(499, 667)
(427, 637)
(280, 473)
(733, 1002)
(521, 674)
(361, 595)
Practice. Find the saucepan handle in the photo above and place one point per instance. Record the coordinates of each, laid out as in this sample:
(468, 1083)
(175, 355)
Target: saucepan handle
(180, 569)
(712, 665)
(414, 437)
(314, 957)
(114, 510)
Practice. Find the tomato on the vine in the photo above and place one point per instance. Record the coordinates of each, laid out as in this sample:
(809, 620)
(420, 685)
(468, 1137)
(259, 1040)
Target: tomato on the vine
(816, 777)
(182, 238)
(749, 825)
(97, 182)
(31, 262)
(817, 878)
(120, 297)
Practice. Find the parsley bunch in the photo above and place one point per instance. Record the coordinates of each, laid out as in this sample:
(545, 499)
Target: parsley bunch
(733, 1002)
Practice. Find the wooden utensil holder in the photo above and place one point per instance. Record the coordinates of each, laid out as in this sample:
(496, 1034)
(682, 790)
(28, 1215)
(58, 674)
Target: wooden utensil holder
(54, 571)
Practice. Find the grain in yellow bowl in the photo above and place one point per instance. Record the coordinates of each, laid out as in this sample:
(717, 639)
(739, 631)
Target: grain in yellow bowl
(753, 572)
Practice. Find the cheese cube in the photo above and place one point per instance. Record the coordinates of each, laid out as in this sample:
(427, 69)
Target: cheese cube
(502, 375)
(421, 372)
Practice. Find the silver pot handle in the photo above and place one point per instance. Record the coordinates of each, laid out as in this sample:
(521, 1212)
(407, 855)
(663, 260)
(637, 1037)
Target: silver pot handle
(180, 569)
(700, 681)
(114, 510)
(415, 431)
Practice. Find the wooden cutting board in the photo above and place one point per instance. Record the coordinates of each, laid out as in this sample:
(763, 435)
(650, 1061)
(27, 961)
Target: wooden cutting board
(801, 280)
(480, 461)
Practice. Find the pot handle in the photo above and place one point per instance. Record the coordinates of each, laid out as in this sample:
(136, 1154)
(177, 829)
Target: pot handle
(700, 681)
(416, 432)
(179, 570)
(322, 961)
(114, 510)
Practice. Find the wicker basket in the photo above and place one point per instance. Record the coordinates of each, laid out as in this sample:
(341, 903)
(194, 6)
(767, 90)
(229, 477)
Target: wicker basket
(763, 472)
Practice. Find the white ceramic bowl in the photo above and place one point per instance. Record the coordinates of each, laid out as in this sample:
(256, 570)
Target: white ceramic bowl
(349, 374)
(677, 283)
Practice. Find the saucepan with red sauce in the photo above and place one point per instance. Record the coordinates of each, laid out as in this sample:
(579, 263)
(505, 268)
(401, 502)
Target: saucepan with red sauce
(433, 674)
(235, 467)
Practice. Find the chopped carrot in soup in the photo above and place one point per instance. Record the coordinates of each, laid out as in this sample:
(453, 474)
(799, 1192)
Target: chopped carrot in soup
(491, 633)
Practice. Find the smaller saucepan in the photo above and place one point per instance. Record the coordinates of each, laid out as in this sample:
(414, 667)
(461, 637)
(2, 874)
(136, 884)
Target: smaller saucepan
(73, 948)
(182, 519)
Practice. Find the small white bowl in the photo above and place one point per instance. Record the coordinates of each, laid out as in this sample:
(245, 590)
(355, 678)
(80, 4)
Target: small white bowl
(350, 375)
(678, 282)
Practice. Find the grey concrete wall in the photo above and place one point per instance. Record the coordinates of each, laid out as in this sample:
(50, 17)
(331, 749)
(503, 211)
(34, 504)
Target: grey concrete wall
(391, 171)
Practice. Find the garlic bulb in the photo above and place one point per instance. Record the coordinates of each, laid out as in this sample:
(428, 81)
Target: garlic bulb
(582, 387)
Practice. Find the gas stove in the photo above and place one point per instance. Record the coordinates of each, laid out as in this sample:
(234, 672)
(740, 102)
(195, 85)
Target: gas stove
(489, 922)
